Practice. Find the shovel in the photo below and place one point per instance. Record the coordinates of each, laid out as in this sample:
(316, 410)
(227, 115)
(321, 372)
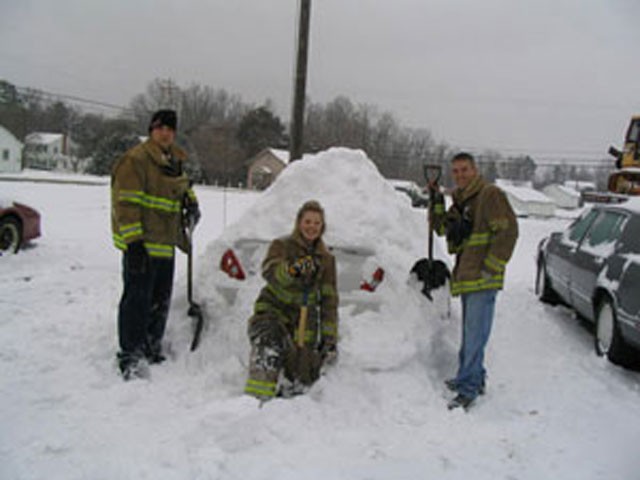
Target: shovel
(195, 311)
(432, 273)
(308, 362)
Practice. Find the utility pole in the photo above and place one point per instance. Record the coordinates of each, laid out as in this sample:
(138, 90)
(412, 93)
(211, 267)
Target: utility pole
(169, 90)
(297, 113)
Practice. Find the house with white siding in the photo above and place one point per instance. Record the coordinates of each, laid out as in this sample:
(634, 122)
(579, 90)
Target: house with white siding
(50, 151)
(10, 152)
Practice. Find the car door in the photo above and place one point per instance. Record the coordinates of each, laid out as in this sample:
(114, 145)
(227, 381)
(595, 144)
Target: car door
(561, 250)
(628, 296)
(595, 252)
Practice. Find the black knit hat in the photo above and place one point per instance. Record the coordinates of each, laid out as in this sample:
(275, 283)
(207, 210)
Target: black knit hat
(164, 118)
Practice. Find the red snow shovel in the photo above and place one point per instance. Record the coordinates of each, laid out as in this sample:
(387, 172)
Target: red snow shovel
(432, 273)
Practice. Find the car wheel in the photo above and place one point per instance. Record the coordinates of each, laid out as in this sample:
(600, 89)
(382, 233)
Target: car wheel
(544, 291)
(10, 234)
(608, 341)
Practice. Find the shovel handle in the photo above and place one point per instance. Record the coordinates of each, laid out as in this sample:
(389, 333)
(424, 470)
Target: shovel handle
(302, 325)
(432, 173)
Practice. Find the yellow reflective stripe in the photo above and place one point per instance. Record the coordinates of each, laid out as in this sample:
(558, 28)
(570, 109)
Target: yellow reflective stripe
(149, 201)
(257, 387)
(119, 242)
(495, 263)
(192, 196)
(477, 239)
(131, 230)
(131, 196)
(494, 283)
(329, 328)
(327, 290)
(266, 307)
(309, 336)
(159, 250)
(438, 208)
(160, 203)
(282, 275)
(499, 224)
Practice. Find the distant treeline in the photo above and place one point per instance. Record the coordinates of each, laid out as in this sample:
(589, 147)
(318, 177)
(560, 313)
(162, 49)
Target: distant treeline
(221, 132)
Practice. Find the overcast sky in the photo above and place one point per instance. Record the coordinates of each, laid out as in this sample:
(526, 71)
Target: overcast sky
(546, 77)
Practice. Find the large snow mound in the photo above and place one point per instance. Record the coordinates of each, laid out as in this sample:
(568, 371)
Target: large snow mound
(368, 225)
(362, 208)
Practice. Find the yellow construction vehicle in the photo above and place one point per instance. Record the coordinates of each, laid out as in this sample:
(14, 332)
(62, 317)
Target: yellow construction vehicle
(626, 179)
(630, 156)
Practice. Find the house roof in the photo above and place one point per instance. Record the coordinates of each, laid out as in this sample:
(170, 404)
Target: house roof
(280, 154)
(7, 133)
(526, 194)
(563, 189)
(579, 184)
(42, 138)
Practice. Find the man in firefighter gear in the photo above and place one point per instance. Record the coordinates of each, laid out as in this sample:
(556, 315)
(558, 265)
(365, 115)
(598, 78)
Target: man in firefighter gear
(481, 231)
(294, 328)
(151, 201)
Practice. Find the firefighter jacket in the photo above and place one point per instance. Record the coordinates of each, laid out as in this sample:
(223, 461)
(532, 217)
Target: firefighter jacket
(148, 188)
(481, 231)
(284, 293)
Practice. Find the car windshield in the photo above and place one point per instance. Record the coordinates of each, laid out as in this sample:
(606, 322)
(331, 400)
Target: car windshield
(606, 229)
(581, 225)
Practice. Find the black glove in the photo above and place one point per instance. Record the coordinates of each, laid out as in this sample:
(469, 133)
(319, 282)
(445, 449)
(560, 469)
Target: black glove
(190, 211)
(303, 267)
(193, 214)
(137, 257)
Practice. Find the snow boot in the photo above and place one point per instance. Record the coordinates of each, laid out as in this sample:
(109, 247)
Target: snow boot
(460, 401)
(452, 385)
(133, 367)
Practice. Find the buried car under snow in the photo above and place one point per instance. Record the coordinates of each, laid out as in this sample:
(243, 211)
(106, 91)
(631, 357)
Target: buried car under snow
(594, 267)
(18, 225)
(369, 229)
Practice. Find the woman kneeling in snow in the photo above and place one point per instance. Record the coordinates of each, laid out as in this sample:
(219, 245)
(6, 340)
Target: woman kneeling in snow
(294, 328)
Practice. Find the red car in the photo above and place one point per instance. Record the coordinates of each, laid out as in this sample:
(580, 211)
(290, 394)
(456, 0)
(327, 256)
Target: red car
(18, 225)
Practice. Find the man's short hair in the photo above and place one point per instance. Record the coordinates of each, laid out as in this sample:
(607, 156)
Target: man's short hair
(463, 156)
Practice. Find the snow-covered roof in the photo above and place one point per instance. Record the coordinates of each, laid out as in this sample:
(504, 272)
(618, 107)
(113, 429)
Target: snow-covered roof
(283, 155)
(579, 184)
(526, 194)
(564, 189)
(43, 138)
(10, 135)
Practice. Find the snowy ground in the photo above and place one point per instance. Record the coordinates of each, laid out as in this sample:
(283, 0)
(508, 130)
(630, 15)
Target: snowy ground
(553, 410)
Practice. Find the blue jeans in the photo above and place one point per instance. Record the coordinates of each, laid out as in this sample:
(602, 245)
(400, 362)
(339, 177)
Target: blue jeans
(477, 318)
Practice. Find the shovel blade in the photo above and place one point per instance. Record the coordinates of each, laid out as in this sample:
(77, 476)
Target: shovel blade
(432, 273)
(195, 311)
(306, 365)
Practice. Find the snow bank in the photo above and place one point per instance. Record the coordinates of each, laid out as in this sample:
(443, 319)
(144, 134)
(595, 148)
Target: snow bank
(364, 215)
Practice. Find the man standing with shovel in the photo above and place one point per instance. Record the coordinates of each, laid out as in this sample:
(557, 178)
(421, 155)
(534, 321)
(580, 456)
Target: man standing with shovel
(148, 185)
(481, 231)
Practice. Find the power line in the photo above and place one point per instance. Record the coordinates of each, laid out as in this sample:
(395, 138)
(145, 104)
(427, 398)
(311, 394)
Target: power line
(74, 98)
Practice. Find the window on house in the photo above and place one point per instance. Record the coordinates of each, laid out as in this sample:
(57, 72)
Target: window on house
(5, 154)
